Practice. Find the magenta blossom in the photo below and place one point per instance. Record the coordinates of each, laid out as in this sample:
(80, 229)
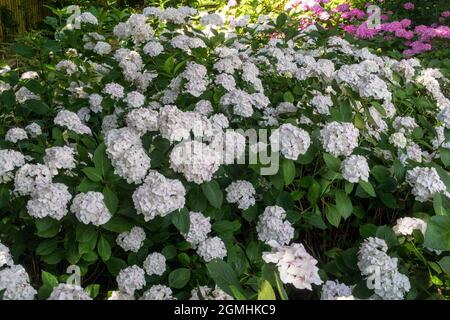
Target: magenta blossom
(409, 6)
(445, 14)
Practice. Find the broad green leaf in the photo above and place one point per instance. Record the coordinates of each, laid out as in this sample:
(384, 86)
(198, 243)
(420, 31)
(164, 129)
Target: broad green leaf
(343, 204)
(437, 235)
(48, 279)
(266, 291)
(223, 275)
(387, 234)
(178, 278)
(93, 174)
(288, 171)
(111, 199)
(333, 216)
(333, 163)
(213, 193)
(181, 220)
(118, 224)
(47, 227)
(104, 248)
(368, 188)
(46, 247)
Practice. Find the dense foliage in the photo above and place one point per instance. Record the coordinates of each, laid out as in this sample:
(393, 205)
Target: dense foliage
(126, 150)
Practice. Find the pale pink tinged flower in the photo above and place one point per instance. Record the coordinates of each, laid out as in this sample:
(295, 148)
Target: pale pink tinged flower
(409, 6)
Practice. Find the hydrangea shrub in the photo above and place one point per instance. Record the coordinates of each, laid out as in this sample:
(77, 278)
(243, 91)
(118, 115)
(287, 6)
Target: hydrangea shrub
(126, 153)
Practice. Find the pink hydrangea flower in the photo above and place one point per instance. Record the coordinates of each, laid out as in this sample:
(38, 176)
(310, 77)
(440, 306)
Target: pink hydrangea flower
(445, 14)
(409, 6)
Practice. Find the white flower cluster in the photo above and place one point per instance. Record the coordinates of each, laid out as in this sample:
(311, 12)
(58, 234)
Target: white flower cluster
(197, 161)
(142, 120)
(376, 264)
(333, 290)
(50, 200)
(33, 129)
(57, 158)
(9, 160)
(425, 183)
(64, 291)
(131, 240)
(355, 168)
(207, 293)
(30, 177)
(339, 139)
(71, 121)
(90, 207)
(131, 279)
(292, 141)
(158, 196)
(406, 226)
(212, 248)
(15, 283)
(15, 135)
(295, 265)
(128, 157)
(199, 228)
(242, 193)
(5, 256)
(158, 292)
(155, 263)
(271, 226)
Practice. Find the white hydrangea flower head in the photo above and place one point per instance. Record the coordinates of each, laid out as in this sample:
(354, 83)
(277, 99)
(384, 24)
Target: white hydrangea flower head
(219, 122)
(173, 123)
(333, 290)
(425, 183)
(230, 146)
(102, 48)
(158, 196)
(15, 135)
(64, 291)
(321, 103)
(50, 200)
(204, 107)
(71, 121)
(195, 160)
(57, 158)
(114, 90)
(444, 116)
(200, 227)
(158, 292)
(24, 94)
(227, 81)
(87, 17)
(9, 160)
(33, 129)
(197, 78)
(5, 256)
(271, 226)
(405, 124)
(30, 177)
(242, 193)
(131, 240)
(207, 293)
(153, 48)
(135, 99)
(89, 207)
(128, 157)
(67, 66)
(405, 226)
(131, 279)
(155, 263)
(398, 140)
(14, 280)
(339, 139)
(355, 168)
(212, 248)
(213, 19)
(373, 260)
(295, 265)
(142, 120)
(292, 141)
(119, 295)
(240, 101)
(95, 102)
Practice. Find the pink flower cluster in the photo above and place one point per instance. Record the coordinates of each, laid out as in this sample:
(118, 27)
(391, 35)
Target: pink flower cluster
(408, 6)
(418, 39)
